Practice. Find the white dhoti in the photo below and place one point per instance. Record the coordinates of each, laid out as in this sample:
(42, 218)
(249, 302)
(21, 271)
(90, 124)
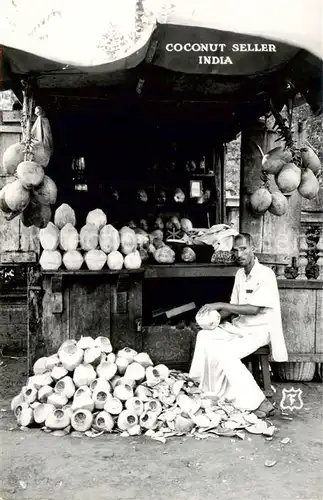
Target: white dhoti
(217, 366)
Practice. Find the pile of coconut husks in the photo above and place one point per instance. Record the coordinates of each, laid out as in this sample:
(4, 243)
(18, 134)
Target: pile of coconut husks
(86, 389)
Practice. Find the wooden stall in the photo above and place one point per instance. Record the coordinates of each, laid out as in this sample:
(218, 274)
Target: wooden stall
(111, 142)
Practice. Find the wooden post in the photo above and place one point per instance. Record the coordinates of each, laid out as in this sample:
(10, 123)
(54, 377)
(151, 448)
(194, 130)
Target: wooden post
(272, 234)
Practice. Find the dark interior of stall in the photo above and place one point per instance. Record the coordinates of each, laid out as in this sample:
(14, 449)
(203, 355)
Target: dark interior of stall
(103, 158)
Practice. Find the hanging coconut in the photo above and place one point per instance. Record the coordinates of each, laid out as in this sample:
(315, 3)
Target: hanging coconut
(275, 159)
(30, 174)
(260, 200)
(16, 196)
(311, 160)
(46, 192)
(309, 186)
(37, 215)
(289, 178)
(279, 204)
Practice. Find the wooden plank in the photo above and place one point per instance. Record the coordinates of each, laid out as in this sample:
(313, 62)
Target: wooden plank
(17, 257)
(300, 284)
(319, 322)
(55, 327)
(301, 357)
(298, 317)
(11, 116)
(9, 234)
(89, 306)
(189, 271)
(10, 129)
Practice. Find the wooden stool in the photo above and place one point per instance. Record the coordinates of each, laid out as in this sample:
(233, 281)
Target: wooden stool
(261, 373)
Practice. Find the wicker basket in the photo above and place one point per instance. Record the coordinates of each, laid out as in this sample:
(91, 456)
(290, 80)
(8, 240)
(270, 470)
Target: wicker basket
(293, 371)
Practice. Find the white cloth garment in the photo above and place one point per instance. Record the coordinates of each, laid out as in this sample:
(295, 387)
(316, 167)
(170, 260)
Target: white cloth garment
(217, 357)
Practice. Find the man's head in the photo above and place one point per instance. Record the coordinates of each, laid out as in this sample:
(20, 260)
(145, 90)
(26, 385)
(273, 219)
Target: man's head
(243, 249)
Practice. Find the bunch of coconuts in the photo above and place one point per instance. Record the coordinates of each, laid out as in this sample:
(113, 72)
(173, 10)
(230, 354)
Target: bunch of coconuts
(28, 191)
(293, 170)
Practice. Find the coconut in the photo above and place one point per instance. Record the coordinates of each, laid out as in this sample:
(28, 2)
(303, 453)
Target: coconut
(113, 405)
(309, 186)
(104, 344)
(100, 397)
(311, 160)
(49, 237)
(36, 214)
(83, 401)
(16, 197)
(122, 364)
(126, 420)
(30, 174)
(103, 422)
(59, 419)
(58, 400)
(44, 392)
(136, 372)
(143, 359)
(260, 200)
(46, 192)
(135, 405)
(127, 353)
(73, 260)
(84, 375)
(275, 159)
(289, 178)
(65, 386)
(70, 356)
(107, 370)
(40, 366)
(279, 204)
(42, 412)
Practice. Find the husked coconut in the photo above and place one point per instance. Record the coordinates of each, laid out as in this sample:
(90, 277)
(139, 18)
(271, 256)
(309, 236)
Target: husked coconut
(89, 237)
(125, 381)
(123, 392)
(83, 401)
(16, 401)
(40, 366)
(58, 400)
(59, 419)
(127, 353)
(30, 174)
(42, 412)
(111, 357)
(44, 392)
(25, 417)
(97, 217)
(65, 386)
(64, 215)
(30, 394)
(107, 370)
(84, 375)
(103, 422)
(260, 200)
(289, 178)
(73, 260)
(109, 239)
(100, 397)
(143, 393)
(115, 261)
(309, 186)
(279, 204)
(86, 342)
(68, 238)
(136, 372)
(104, 344)
(135, 405)
(46, 192)
(49, 237)
(81, 420)
(122, 364)
(153, 405)
(126, 420)
(143, 359)
(100, 383)
(311, 160)
(20, 407)
(95, 259)
(92, 356)
(83, 390)
(39, 380)
(148, 420)
(186, 225)
(132, 260)
(50, 260)
(113, 406)
(70, 356)
(128, 240)
(58, 372)
(114, 381)
(156, 374)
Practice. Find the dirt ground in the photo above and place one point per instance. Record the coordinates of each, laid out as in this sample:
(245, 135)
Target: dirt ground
(38, 466)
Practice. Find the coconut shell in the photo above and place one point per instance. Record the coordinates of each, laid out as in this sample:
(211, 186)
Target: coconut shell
(46, 192)
(30, 174)
(260, 200)
(279, 204)
(36, 214)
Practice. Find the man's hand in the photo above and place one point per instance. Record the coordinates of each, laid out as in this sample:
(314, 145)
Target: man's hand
(215, 306)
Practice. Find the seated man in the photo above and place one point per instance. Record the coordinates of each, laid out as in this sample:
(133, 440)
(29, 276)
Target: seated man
(256, 322)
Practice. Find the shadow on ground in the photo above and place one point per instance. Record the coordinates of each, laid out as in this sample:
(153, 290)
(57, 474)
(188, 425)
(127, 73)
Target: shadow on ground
(38, 466)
